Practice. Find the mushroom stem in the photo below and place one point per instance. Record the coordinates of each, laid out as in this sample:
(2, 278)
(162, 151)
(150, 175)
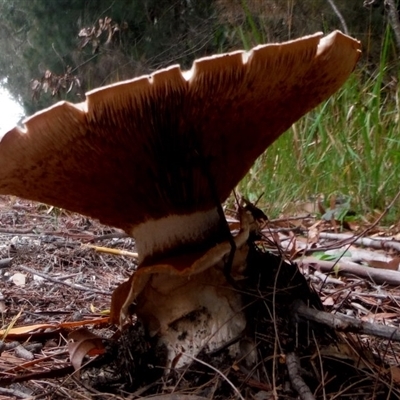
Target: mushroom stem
(187, 301)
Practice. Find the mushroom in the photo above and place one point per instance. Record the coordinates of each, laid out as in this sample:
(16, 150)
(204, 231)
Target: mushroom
(156, 156)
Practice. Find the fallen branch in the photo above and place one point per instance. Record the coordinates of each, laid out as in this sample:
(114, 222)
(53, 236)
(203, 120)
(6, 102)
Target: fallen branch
(60, 282)
(15, 392)
(380, 243)
(53, 373)
(15, 231)
(344, 323)
(379, 276)
(294, 368)
(5, 263)
(393, 15)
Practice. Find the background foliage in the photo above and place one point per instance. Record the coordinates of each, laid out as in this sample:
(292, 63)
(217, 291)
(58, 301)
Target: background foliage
(347, 147)
(40, 35)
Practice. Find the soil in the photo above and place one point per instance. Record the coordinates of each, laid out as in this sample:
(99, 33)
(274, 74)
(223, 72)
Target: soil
(56, 320)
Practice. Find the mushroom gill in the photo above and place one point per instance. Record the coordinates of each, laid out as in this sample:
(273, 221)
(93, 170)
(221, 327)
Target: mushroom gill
(156, 154)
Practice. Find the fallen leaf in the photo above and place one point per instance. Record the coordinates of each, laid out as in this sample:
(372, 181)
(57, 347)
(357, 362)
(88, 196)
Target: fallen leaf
(329, 301)
(313, 233)
(18, 279)
(392, 265)
(379, 316)
(29, 329)
(395, 372)
(82, 343)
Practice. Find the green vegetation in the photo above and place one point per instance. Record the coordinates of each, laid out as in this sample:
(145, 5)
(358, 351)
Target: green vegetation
(349, 146)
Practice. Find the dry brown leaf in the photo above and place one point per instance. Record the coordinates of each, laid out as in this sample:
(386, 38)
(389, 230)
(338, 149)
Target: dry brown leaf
(332, 202)
(334, 224)
(26, 329)
(293, 248)
(276, 239)
(395, 372)
(379, 316)
(82, 343)
(353, 226)
(23, 330)
(320, 205)
(328, 301)
(392, 265)
(313, 233)
(368, 300)
(234, 225)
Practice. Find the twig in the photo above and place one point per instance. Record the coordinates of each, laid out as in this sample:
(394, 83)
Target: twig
(71, 285)
(293, 367)
(393, 19)
(276, 330)
(321, 364)
(300, 217)
(85, 62)
(17, 231)
(344, 323)
(219, 373)
(376, 275)
(327, 279)
(57, 54)
(297, 229)
(381, 243)
(375, 223)
(53, 373)
(114, 235)
(340, 16)
(14, 392)
(107, 250)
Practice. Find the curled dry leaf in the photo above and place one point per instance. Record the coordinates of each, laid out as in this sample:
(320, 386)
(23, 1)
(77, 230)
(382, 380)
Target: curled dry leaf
(82, 343)
(55, 84)
(105, 32)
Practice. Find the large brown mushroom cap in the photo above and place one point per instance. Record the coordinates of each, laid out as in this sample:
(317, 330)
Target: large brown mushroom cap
(135, 151)
(155, 154)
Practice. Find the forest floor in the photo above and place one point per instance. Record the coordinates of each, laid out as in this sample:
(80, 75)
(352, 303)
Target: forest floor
(55, 279)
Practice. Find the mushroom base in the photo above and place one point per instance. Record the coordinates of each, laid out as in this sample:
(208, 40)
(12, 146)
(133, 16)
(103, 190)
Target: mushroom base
(195, 313)
(187, 301)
